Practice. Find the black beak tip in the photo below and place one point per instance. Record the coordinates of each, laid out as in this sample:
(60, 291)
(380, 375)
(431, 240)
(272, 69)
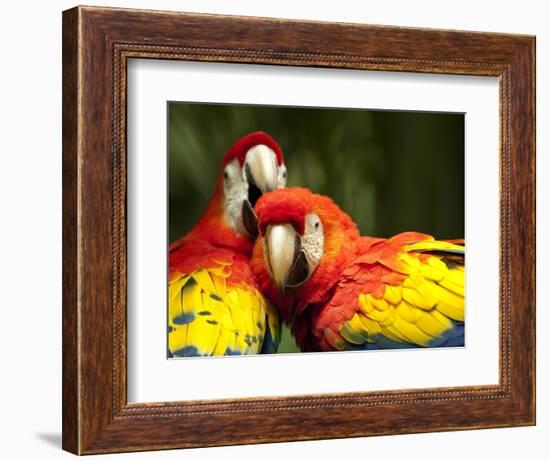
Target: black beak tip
(250, 220)
(299, 272)
(254, 192)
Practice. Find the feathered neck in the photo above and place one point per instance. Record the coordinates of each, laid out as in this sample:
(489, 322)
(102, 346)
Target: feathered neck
(341, 245)
(214, 229)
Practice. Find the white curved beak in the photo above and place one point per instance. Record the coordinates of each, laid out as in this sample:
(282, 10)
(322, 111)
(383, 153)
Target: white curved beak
(280, 244)
(261, 163)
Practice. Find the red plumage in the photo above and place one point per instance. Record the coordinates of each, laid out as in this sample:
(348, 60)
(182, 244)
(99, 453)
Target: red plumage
(341, 244)
(212, 227)
(280, 211)
(196, 254)
(212, 237)
(351, 265)
(214, 305)
(243, 145)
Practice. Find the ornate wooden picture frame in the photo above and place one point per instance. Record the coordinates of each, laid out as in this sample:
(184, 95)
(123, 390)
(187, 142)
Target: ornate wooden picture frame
(97, 44)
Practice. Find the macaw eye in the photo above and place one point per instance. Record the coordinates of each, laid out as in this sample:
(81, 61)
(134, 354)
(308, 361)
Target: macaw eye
(226, 175)
(317, 224)
(284, 174)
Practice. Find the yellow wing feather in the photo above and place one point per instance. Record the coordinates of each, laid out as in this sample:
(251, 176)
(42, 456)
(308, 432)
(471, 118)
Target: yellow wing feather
(425, 310)
(207, 316)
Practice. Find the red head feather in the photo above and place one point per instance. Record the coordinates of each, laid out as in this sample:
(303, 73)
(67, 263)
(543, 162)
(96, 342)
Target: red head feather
(290, 206)
(243, 145)
(281, 207)
(212, 227)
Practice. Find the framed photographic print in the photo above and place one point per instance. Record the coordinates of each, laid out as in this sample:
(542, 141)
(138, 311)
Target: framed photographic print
(282, 230)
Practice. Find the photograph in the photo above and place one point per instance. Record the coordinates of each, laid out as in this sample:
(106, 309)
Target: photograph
(313, 229)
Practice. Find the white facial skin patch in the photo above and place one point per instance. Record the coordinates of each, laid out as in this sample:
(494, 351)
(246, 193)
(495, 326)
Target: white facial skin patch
(235, 190)
(267, 175)
(313, 241)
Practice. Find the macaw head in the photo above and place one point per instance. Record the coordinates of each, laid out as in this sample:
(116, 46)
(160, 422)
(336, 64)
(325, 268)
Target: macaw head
(252, 166)
(305, 237)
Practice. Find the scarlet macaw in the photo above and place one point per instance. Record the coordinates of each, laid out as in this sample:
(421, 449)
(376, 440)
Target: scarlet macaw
(214, 305)
(341, 291)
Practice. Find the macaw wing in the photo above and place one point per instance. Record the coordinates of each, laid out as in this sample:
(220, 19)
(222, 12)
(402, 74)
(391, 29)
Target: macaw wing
(409, 295)
(209, 316)
(272, 335)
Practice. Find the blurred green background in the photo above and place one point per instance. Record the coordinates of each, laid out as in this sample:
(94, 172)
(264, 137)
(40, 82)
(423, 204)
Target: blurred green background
(391, 171)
